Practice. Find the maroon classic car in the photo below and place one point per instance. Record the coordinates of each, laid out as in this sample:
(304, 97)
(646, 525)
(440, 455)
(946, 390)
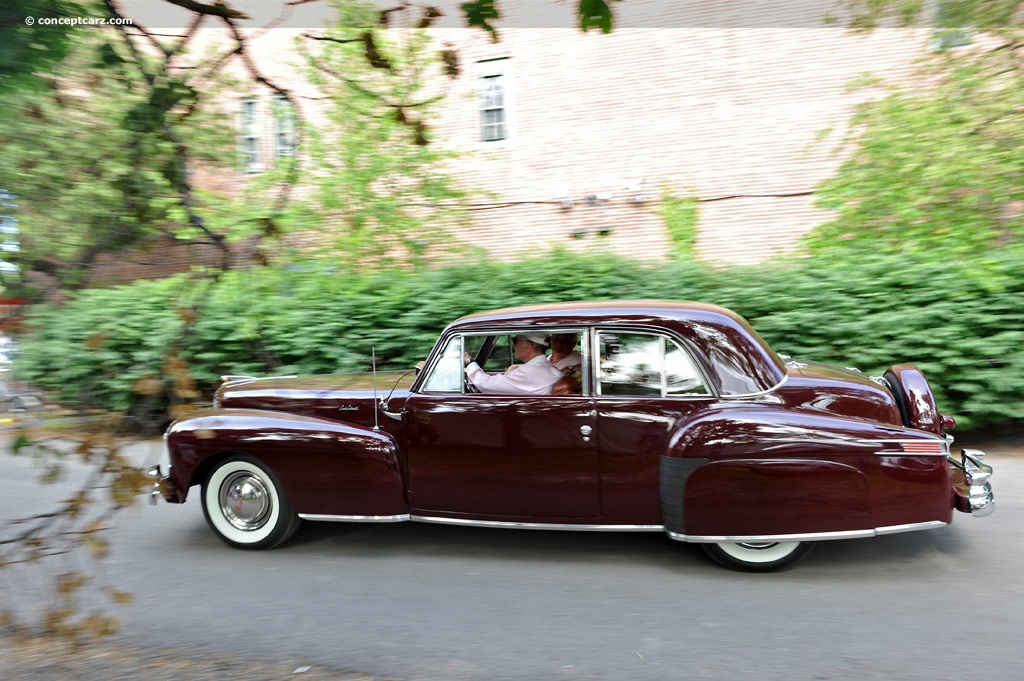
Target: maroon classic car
(679, 419)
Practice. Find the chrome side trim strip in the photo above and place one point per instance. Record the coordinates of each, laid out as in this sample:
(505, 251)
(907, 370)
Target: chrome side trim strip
(696, 539)
(810, 536)
(537, 526)
(356, 518)
(911, 527)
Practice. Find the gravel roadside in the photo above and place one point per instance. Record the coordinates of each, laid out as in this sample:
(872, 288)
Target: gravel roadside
(41, 659)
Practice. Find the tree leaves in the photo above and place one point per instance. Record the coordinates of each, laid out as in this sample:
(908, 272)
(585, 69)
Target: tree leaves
(934, 166)
(30, 53)
(480, 14)
(595, 14)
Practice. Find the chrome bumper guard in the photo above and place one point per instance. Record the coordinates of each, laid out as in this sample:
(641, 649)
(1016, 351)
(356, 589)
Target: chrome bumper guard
(161, 485)
(974, 494)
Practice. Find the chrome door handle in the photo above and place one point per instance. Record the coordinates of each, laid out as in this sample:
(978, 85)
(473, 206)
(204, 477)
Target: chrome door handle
(586, 431)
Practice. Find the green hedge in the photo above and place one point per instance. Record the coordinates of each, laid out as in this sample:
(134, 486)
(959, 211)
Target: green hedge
(963, 325)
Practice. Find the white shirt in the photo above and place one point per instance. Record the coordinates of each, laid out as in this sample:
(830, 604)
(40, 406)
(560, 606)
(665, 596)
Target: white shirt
(573, 359)
(536, 377)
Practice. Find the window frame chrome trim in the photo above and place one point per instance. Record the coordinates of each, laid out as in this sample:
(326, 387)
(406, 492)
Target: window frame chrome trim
(586, 368)
(665, 335)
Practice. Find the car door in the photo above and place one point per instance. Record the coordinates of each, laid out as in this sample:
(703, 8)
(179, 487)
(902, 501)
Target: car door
(498, 457)
(646, 384)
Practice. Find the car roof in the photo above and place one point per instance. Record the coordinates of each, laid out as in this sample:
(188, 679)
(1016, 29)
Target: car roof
(736, 357)
(551, 312)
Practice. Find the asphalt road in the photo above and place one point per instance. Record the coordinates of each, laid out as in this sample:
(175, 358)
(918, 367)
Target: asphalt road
(415, 601)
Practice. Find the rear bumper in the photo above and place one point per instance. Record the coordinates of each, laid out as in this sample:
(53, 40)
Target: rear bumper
(972, 493)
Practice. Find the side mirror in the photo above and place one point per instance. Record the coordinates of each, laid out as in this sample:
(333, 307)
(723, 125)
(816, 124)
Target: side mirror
(419, 367)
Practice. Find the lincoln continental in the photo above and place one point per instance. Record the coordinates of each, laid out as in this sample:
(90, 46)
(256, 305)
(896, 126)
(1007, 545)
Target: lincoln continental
(674, 418)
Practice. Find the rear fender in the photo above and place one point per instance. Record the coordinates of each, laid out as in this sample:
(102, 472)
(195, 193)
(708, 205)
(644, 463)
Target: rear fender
(761, 470)
(914, 398)
(326, 467)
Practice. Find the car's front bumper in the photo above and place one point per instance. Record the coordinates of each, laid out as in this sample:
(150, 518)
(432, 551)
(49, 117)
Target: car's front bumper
(162, 486)
(972, 493)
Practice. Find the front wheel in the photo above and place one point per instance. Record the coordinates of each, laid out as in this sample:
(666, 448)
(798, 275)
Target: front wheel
(758, 557)
(245, 505)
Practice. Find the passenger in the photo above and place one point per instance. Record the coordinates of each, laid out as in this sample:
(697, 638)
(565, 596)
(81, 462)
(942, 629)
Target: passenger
(535, 376)
(564, 356)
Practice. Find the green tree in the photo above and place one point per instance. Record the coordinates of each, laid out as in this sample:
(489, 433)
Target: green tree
(99, 162)
(31, 51)
(101, 131)
(935, 166)
(379, 197)
(101, 152)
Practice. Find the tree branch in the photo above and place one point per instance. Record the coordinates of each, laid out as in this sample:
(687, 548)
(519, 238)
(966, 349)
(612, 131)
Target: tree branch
(218, 9)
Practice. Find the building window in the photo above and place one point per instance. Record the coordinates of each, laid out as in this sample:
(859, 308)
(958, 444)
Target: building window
(249, 135)
(284, 128)
(8, 231)
(494, 99)
(950, 31)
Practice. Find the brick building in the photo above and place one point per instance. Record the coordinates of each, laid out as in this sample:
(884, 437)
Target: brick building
(577, 136)
(608, 123)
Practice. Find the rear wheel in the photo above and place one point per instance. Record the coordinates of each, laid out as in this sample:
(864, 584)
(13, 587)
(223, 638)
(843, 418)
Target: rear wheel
(245, 505)
(758, 556)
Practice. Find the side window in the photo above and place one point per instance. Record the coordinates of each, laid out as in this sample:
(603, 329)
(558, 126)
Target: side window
(501, 355)
(630, 364)
(681, 374)
(644, 364)
(446, 374)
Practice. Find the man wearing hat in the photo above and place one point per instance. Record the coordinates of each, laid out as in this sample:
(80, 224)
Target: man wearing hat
(535, 376)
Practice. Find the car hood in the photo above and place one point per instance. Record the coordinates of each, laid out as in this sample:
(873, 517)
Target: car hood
(338, 397)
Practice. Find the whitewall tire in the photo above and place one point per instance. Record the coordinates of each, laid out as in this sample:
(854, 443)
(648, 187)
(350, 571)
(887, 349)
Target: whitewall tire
(246, 506)
(758, 556)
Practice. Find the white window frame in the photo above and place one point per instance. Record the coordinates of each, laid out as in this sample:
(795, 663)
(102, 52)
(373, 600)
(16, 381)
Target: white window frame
(284, 128)
(250, 136)
(500, 69)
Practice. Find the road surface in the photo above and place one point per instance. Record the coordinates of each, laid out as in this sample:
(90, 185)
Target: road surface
(430, 602)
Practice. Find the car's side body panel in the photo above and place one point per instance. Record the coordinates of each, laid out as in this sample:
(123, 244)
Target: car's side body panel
(760, 496)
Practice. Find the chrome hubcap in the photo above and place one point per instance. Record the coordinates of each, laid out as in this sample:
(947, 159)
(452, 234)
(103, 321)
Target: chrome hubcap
(756, 547)
(245, 501)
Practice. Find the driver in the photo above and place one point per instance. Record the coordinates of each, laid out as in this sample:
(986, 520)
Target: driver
(535, 376)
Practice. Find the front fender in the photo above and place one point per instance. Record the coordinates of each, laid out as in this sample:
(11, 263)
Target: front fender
(326, 467)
